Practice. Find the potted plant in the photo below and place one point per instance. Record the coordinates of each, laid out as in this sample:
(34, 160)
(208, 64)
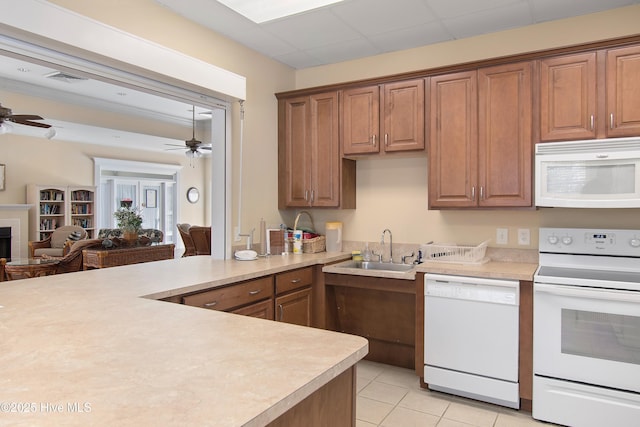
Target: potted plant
(129, 220)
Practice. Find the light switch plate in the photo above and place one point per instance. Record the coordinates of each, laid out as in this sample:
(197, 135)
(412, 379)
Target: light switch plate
(502, 236)
(524, 236)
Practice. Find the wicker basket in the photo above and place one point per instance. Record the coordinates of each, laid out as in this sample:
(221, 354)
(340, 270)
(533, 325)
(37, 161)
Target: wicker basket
(315, 245)
(456, 253)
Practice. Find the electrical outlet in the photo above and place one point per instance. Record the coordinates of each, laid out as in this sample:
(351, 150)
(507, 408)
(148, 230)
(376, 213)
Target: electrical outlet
(524, 236)
(236, 234)
(502, 236)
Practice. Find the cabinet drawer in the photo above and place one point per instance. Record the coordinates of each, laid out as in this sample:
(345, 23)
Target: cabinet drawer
(232, 296)
(294, 279)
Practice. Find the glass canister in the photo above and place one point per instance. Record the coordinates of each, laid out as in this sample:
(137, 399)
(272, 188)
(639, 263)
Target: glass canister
(334, 236)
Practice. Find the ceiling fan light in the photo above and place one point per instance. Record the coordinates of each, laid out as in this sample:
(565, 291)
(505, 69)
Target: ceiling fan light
(50, 133)
(5, 128)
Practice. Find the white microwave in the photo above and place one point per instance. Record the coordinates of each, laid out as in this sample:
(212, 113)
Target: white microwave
(597, 173)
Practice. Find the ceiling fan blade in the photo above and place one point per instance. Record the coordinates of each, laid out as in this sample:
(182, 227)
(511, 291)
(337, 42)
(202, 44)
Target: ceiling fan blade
(204, 147)
(28, 123)
(172, 149)
(175, 145)
(25, 117)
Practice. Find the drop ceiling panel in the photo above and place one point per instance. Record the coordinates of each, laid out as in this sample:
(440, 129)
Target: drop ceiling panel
(326, 35)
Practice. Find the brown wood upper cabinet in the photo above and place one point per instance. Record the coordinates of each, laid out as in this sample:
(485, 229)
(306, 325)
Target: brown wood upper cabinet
(576, 103)
(480, 142)
(310, 170)
(383, 118)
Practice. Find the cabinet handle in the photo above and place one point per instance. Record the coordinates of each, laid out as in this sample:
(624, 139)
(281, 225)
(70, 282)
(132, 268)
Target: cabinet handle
(386, 139)
(473, 192)
(592, 122)
(256, 292)
(296, 281)
(373, 139)
(306, 195)
(281, 310)
(481, 193)
(211, 304)
(313, 196)
(611, 120)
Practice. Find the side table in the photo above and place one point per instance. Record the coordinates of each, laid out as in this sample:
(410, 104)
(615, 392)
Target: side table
(103, 258)
(27, 268)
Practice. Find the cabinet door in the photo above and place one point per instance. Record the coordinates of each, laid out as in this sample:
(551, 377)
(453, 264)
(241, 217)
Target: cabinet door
(262, 310)
(568, 97)
(361, 120)
(504, 135)
(623, 91)
(295, 183)
(403, 112)
(453, 144)
(294, 307)
(325, 151)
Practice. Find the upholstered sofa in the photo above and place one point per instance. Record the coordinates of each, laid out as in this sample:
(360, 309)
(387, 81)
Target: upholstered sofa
(156, 236)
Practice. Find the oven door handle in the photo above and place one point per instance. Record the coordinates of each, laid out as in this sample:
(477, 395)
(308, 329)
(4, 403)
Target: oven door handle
(583, 292)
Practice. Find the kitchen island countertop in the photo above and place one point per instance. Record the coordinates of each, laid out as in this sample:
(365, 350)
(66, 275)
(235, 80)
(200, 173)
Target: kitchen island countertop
(97, 348)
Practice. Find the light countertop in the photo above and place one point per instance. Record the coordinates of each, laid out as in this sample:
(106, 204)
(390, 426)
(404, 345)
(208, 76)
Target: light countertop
(99, 342)
(492, 269)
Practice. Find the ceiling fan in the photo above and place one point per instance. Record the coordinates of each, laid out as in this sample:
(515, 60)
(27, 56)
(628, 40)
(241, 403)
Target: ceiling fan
(6, 115)
(193, 145)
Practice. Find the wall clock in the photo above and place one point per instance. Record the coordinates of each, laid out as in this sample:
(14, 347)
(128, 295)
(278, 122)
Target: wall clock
(193, 195)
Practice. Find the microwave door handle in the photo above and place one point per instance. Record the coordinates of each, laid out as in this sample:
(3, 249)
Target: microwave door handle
(582, 292)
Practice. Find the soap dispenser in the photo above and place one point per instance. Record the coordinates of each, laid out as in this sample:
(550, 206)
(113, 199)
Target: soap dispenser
(366, 254)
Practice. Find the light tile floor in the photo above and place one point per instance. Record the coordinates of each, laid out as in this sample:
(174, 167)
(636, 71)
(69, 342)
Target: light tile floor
(389, 396)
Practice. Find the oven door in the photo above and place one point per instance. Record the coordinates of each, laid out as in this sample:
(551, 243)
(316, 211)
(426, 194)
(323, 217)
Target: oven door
(590, 335)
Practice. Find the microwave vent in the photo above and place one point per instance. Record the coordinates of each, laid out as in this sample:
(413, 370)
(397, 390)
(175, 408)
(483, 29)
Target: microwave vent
(589, 146)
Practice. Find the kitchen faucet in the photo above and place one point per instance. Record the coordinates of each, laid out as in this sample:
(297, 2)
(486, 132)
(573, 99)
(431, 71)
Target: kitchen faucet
(249, 237)
(390, 244)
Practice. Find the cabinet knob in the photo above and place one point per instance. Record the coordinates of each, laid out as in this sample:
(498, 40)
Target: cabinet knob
(256, 292)
(211, 304)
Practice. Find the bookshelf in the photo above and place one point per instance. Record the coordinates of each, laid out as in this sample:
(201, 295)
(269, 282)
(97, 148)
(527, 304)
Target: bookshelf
(54, 206)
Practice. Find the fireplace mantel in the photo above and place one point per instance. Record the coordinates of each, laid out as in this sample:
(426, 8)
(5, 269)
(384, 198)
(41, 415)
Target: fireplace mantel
(16, 216)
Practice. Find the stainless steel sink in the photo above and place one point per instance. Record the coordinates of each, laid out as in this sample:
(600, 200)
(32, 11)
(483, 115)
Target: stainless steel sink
(379, 266)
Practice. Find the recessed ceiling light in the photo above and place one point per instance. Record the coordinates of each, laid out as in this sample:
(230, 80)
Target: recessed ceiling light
(261, 11)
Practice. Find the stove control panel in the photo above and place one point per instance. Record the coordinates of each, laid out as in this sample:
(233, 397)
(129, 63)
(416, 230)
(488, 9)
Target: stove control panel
(590, 241)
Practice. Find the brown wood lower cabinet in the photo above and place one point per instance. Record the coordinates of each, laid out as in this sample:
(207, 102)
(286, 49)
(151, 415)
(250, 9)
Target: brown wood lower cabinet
(293, 296)
(294, 307)
(332, 405)
(241, 298)
(262, 310)
(379, 309)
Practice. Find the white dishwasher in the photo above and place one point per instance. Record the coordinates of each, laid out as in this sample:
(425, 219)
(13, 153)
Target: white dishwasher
(471, 337)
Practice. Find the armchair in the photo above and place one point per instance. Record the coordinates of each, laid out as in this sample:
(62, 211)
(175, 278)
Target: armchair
(201, 237)
(55, 244)
(73, 260)
(189, 247)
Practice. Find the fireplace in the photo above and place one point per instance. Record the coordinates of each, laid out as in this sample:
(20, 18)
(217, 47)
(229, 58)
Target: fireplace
(5, 242)
(16, 218)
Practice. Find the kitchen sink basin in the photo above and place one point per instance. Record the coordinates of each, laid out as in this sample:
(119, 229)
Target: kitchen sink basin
(378, 266)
